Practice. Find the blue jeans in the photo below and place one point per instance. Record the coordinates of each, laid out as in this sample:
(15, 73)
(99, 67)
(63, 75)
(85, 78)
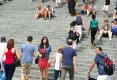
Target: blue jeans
(56, 74)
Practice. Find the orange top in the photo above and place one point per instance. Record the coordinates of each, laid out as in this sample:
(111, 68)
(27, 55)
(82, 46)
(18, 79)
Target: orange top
(85, 7)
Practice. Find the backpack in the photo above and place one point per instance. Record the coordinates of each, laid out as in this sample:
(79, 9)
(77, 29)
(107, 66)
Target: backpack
(72, 35)
(109, 67)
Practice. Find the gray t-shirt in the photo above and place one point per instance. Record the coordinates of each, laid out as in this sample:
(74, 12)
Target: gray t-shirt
(27, 51)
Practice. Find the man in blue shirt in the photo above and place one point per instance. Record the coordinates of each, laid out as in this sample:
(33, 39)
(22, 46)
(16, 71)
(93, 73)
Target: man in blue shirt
(68, 59)
(99, 61)
(27, 53)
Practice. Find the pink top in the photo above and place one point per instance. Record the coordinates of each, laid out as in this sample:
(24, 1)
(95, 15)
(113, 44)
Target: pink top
(10, 57)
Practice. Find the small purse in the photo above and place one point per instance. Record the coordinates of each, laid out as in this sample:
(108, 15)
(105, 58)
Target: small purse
(37, 59)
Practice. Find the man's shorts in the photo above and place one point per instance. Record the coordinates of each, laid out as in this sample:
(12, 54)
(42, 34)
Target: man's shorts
(25, 69)
(105, 8)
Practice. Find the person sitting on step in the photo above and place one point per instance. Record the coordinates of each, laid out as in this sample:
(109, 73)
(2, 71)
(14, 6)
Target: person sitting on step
(91, 10)
(84, 9)
(114, 27)
(48, 12)
(38, 13)
(105, 31)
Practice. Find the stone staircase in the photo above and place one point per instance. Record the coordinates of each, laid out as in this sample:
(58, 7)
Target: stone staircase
(17, 22)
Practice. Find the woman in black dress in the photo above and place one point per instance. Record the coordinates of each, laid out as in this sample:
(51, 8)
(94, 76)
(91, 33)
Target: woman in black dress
(71, 7)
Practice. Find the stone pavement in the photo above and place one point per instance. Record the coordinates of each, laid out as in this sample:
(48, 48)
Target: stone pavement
(17, 22)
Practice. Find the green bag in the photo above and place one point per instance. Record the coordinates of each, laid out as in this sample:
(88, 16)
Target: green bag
(37, 59)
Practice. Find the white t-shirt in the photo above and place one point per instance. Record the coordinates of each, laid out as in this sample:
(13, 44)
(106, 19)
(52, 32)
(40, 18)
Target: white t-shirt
(2, 47)
(79, 28)
(57, 66)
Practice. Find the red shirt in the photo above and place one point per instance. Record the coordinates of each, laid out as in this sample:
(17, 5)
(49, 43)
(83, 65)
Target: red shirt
(10, 57)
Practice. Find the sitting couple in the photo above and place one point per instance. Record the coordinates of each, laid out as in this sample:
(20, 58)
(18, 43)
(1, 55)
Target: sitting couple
(107, 30)
(45, 13)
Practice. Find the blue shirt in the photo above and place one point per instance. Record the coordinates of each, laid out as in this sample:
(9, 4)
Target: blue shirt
(27, 51)
(68, 54)
(100, 63)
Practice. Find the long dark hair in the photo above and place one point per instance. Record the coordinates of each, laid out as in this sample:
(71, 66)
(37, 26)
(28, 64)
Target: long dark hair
(42, 44)
(10, 44)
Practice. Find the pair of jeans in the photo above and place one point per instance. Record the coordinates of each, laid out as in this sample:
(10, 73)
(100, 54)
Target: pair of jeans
(9, 71)
(70, 70)
(56, 74)
(93, 33)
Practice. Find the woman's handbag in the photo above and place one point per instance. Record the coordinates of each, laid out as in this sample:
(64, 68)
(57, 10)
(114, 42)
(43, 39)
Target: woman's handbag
(17, 62)
(37, 59)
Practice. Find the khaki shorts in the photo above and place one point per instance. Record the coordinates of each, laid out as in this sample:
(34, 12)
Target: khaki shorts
(105, 8)
(25, 69)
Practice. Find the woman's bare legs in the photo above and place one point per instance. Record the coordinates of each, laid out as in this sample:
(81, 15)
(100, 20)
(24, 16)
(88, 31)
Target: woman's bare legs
(49, 15)
(36, 15)
(46, 73)
(41, 74)
(45, 16)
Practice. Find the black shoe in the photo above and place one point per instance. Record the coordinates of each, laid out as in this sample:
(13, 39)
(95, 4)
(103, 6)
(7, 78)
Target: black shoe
(0, 3)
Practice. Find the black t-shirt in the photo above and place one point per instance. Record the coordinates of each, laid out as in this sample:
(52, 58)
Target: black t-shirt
(107, 2)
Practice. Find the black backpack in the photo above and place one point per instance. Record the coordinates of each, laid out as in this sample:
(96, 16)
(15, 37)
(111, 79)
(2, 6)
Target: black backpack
(109, 67)
(72, 35)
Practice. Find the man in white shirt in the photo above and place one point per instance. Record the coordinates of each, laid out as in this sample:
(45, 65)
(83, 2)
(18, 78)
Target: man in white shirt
(3, 45)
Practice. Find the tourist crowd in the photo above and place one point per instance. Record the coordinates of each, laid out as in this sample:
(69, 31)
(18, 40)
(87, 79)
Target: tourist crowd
(65, 57)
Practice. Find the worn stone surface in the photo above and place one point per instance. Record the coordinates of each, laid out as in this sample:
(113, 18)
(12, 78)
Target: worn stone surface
(17, 22)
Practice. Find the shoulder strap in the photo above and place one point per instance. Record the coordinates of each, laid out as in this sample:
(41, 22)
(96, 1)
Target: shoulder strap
(101, 56)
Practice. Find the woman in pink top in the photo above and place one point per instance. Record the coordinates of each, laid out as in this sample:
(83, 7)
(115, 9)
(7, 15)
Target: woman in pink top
(9, 65)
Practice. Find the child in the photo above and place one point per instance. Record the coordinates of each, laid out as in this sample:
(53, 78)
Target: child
(57, 66)
(38, 13)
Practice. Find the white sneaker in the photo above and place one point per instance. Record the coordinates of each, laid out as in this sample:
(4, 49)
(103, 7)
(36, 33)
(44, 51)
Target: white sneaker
(98, 39)
(110, 40)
